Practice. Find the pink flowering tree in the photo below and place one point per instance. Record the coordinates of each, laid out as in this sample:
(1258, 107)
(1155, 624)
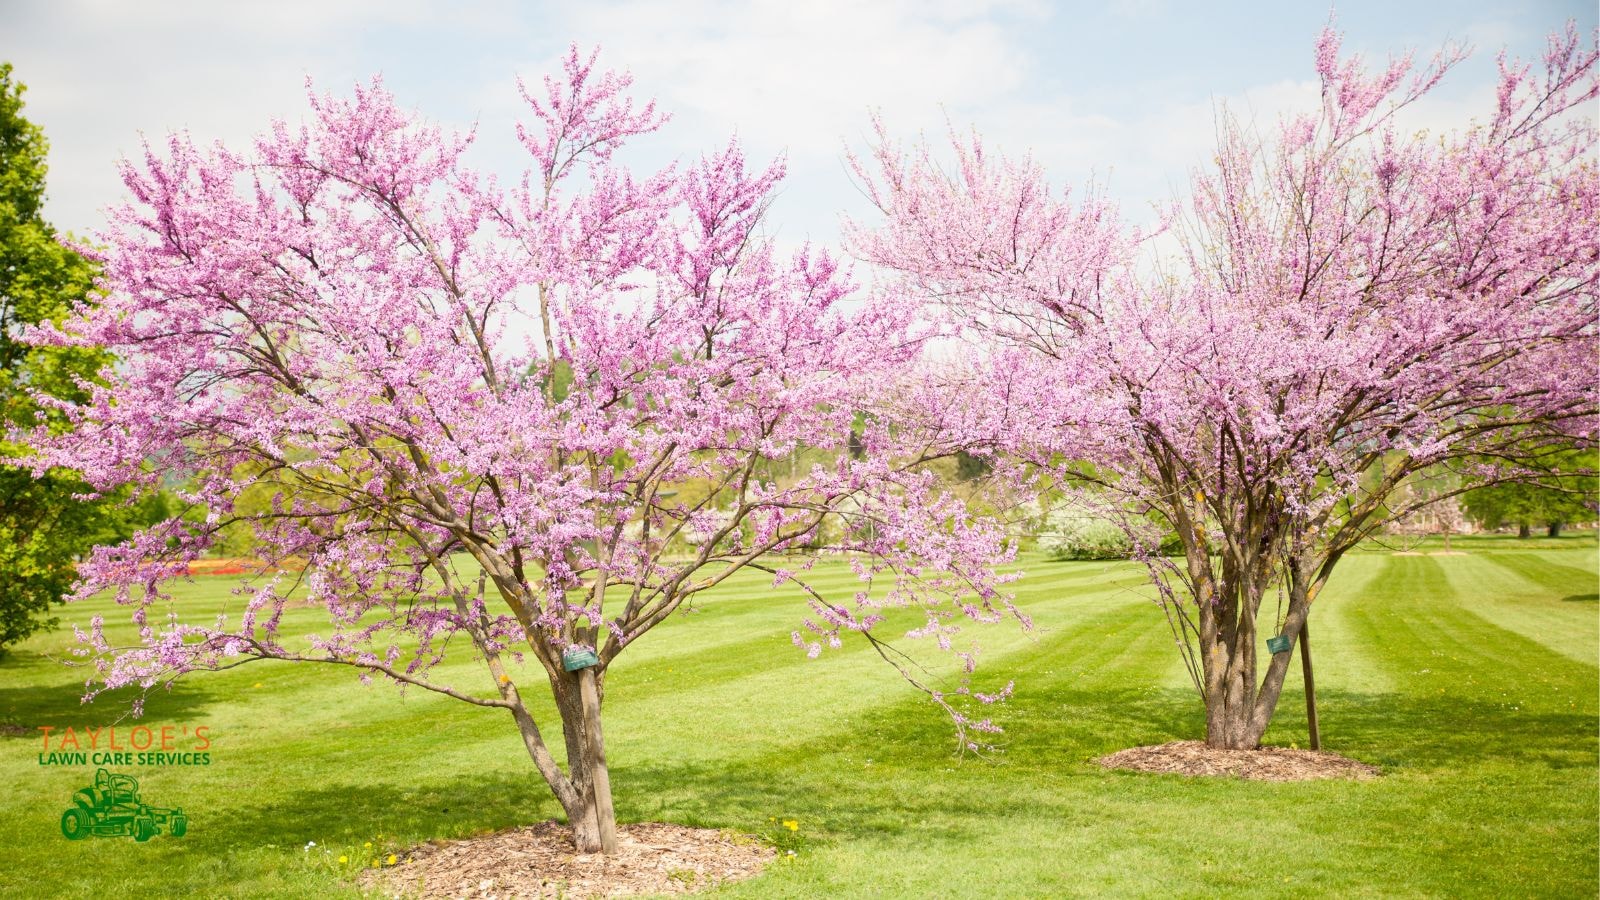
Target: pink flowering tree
(467, 407)
(1348, 304)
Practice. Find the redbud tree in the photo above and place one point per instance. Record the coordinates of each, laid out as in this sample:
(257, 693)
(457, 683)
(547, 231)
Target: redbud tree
(1349, 304)
(464, 411)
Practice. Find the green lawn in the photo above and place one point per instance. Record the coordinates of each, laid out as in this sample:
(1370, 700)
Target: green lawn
(1470, 679)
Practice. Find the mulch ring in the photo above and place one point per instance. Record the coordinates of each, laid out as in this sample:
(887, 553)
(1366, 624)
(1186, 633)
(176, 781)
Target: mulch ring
(539, 861)
(1265, 764)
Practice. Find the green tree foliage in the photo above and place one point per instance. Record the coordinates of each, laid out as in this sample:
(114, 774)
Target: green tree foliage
(1563, 494)
(971, 468)
(42, 527)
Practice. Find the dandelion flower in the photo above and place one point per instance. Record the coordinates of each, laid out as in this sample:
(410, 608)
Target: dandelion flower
(343, 858)
(791, 824)
(391, 860)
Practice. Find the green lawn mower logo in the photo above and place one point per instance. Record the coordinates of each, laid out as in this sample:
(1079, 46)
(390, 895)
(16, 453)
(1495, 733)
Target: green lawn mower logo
(112, 807)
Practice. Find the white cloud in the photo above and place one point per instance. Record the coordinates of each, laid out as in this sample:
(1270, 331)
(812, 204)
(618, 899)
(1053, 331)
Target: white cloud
(801, 76)
(101, 73)
(279, 20)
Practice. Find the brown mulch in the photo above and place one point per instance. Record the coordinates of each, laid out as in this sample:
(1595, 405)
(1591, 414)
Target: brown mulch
(539, 861)
(1265, 764)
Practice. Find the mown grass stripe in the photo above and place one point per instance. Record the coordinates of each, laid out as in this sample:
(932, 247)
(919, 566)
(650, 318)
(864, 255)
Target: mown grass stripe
(1463, 682)
(1522, 600)
(1559, 578)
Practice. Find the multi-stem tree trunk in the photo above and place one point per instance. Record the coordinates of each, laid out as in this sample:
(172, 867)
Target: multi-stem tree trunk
(593, 819)
(584, 789)
(1239, 701)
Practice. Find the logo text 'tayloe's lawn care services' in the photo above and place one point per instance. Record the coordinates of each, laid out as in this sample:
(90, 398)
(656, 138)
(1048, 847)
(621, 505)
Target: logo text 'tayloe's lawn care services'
(167, 745)
(113, 807)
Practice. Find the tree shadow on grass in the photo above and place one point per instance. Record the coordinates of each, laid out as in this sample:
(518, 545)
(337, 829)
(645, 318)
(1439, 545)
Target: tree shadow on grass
(742, 797)
(1394, 730)
(1581, 598)
(61, 705)
(1446, 732)
(831, 777)
(347, 812)
(1092, 722)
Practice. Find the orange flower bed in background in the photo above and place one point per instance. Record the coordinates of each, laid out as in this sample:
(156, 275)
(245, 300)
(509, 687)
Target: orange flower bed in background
(241, 565)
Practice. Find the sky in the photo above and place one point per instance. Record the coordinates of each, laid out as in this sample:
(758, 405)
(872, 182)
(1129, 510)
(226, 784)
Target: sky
(1122, 92)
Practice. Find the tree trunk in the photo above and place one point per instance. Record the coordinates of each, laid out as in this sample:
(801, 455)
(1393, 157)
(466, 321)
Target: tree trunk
(573, 791)
(1229, 661)
(1524, 530)
(1228, 724)
(1555, 529)
(589, 808)
(1238, 706)
(585, 826)
(584, 789)
(600, 777)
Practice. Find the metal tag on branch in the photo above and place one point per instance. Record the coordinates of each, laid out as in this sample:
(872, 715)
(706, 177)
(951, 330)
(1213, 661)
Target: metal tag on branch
(575, 658)
(1278, 644)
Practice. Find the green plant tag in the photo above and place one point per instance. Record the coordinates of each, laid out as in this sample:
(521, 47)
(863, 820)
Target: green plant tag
(575, 658)
(1278, 644)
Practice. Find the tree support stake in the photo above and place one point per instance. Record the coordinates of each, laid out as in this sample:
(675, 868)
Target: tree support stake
(1311, 686)
(605, 815)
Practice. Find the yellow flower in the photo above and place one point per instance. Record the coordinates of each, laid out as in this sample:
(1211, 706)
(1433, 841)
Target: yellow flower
(374, 863)
(390, 861)
(791, 824)
(368, 845)
(343, 858)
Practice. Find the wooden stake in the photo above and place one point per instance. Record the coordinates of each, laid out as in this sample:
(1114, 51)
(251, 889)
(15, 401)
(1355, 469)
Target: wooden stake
(605, 815)
(1311, 686)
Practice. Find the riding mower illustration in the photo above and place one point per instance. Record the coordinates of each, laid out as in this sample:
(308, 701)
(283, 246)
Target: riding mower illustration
(111, 807)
